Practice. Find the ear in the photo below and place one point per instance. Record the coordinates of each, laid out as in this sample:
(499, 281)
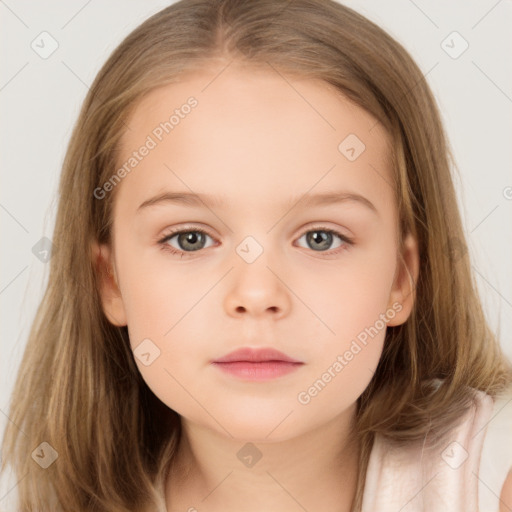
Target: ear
(406, 277)
(111, 298)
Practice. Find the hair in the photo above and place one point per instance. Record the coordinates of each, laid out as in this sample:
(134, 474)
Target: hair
(78, 387)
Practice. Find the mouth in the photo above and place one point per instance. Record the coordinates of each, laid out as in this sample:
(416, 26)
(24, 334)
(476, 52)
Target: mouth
(258, 355)
(257, 364)
(259, 371)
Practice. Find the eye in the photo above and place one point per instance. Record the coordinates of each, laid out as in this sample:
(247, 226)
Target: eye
(322, 238)
(192, 240)
(188, 240)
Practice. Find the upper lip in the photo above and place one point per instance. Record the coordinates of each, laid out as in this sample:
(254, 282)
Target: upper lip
(255, 355)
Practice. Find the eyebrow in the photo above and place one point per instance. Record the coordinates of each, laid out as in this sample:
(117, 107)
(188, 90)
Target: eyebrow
(209, 201)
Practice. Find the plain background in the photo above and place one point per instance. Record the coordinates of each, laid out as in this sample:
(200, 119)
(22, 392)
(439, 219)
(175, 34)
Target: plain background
(40, 100)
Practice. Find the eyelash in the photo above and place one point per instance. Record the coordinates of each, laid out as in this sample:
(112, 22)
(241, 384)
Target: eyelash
(169, 249)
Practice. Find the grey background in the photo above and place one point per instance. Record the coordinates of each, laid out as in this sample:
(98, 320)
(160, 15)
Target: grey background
(40, 100)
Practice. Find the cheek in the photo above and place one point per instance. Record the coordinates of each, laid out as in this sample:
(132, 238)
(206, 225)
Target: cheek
(159, 294)
(164, 314)
(346, 358)
(166, 308)
(352, 296)
(354, 307)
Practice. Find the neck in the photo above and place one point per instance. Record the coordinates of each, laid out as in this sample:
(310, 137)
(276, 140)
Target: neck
(316, 470)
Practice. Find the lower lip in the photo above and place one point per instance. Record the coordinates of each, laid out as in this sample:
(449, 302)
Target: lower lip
(265, 370)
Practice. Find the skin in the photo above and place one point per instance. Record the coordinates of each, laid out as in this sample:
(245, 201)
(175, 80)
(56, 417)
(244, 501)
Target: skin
(257, 142)
(506, 494)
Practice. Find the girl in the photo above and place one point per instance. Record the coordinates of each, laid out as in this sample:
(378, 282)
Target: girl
(260, 297)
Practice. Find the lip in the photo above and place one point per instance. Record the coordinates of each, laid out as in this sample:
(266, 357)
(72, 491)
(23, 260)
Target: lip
(264, 370)
(257, 355)
(257, 364)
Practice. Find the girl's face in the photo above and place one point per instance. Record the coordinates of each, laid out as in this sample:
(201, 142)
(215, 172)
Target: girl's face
(250, 154)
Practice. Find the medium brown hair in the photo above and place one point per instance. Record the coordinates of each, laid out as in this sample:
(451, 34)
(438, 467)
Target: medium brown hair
(78, 387)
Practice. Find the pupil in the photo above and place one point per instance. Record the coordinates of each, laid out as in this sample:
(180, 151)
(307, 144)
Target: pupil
(321, 236)
(187, 240)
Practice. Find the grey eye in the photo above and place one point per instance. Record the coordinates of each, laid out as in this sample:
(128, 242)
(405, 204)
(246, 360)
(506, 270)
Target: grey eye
(321, 239)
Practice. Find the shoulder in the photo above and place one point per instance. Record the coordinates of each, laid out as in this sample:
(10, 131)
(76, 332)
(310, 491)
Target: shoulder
(465, 470)
(495, 470)
(506, 494)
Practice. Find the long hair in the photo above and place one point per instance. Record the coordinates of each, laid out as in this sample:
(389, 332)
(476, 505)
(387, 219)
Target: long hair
(78, 394)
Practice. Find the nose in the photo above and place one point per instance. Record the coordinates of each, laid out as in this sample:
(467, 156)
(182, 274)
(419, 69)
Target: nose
(257, 290)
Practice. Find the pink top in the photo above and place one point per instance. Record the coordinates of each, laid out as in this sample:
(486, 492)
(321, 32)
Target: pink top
(465, 474)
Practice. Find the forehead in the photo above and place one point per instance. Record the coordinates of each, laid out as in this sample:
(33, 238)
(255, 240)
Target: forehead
(254, 136)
